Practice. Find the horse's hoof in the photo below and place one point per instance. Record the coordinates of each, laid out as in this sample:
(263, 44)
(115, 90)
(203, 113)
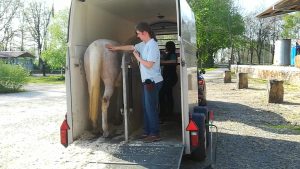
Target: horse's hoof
(118, 122)
(106, 134)
(96, 132)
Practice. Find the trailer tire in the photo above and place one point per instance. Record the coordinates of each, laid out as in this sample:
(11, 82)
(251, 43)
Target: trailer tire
(204, 110)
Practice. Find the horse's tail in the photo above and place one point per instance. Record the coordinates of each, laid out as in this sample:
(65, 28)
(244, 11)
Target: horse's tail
(95, 63)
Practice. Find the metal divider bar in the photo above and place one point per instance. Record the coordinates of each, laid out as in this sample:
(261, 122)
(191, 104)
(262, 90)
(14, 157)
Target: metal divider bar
(124, 73)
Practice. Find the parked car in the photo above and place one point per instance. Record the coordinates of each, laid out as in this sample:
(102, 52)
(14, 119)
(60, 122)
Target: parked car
(201, 88)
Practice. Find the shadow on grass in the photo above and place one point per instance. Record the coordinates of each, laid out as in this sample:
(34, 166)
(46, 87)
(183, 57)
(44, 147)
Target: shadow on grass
(257, 89)
(290, 103)
(262, 119)
(256, 152)
(248, 152)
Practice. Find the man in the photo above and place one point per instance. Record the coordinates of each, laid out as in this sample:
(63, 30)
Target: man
(148, 55)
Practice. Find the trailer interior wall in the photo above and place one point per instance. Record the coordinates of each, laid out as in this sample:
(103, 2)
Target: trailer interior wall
(95, 19)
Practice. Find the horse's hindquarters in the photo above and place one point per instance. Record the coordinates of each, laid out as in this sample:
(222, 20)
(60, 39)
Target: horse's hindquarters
(101, 64)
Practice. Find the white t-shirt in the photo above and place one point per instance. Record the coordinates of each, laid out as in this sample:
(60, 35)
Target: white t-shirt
(150, 52)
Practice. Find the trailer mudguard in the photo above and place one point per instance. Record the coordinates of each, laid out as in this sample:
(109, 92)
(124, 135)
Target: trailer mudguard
(204, 110)
(199, 153)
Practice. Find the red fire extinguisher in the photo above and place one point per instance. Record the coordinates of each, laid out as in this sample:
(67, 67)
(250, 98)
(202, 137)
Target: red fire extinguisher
(64, 132)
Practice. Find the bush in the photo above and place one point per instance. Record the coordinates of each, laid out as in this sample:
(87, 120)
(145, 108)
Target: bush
(12, 77)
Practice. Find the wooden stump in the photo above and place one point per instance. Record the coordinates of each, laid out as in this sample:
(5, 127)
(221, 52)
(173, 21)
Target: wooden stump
(242, 80)
(275, 91)
(297, 61)
(227, 76)
(192, 82)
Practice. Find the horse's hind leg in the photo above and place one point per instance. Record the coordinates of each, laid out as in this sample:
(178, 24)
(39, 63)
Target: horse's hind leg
(105, 103)
(117, 115)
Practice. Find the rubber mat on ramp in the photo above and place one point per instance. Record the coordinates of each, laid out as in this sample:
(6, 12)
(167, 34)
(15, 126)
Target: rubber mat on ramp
(132, 156)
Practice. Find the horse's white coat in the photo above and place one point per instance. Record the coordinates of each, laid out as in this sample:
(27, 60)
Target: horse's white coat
(101, 64)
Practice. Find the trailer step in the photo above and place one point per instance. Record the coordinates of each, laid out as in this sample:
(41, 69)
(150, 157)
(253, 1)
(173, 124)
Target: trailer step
(151, 156)
(137, 155)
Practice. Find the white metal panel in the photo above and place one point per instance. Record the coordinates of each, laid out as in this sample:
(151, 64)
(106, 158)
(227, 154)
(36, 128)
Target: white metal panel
(188, 59)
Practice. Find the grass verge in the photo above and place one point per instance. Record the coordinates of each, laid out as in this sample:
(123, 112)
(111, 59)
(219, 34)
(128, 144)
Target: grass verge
(290, 127)
(50, 79)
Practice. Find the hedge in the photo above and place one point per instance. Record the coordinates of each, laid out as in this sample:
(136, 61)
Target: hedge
(12, 77)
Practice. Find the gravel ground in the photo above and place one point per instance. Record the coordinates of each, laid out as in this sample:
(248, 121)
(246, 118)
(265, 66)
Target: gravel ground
(29, 123)
(247, 138)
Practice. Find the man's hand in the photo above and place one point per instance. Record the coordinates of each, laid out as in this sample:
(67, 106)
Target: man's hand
(137, 55)
(110, 47)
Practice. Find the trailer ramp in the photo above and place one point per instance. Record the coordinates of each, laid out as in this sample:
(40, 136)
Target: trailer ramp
(133, 155)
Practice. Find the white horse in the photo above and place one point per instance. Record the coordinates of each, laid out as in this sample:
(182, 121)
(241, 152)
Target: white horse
(101, 64)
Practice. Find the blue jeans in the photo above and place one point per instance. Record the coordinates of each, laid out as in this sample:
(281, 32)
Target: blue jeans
(150, 108)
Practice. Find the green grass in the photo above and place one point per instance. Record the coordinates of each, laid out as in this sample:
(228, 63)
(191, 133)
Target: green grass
(210, 69)
(291, 87)
(260, 81)
(287, 86)
(290, 127)
(52, 79)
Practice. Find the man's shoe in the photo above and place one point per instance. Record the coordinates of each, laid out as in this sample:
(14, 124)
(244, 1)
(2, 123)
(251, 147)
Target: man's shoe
(142, 137)
(151, 139)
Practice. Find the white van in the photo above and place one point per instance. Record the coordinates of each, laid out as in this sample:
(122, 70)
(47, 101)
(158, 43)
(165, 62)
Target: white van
(115, 19)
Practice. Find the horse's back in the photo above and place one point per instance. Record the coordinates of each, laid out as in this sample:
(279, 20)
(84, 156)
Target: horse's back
(99, 61)
(97, 50)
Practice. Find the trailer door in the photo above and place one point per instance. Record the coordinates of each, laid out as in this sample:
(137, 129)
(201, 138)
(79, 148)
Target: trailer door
(187, 38)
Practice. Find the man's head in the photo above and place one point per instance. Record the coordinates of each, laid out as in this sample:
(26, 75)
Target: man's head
(144, 31)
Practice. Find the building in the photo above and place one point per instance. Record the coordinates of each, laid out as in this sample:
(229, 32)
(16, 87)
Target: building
(22, 58)
(281, 7)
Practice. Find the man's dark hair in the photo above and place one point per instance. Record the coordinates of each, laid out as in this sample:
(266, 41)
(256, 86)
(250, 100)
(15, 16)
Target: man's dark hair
(143, 26)
(170, 47)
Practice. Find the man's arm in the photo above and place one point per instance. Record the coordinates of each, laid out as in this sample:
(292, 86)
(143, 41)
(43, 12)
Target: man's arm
(146, 63)
(123, 48)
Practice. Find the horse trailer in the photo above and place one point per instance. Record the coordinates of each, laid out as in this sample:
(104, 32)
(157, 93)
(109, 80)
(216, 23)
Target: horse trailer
(174, 20)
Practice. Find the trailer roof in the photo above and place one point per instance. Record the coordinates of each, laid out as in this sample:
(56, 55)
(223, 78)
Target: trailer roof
(138, 10)
(115, 19)
(281, 7)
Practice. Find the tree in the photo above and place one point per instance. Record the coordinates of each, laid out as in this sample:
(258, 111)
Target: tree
(37, 15)
(8, 10)
(56, 48)
(260, 37)
(291, 26)
(218, 25)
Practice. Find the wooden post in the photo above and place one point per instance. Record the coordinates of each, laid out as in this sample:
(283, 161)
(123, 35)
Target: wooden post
(190, 87)
(297, 61)
(192, 82)
(275, 91)
(242, 80)
(227, 76)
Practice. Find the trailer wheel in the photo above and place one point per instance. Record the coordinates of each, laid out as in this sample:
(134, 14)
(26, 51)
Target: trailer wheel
(199, 154)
